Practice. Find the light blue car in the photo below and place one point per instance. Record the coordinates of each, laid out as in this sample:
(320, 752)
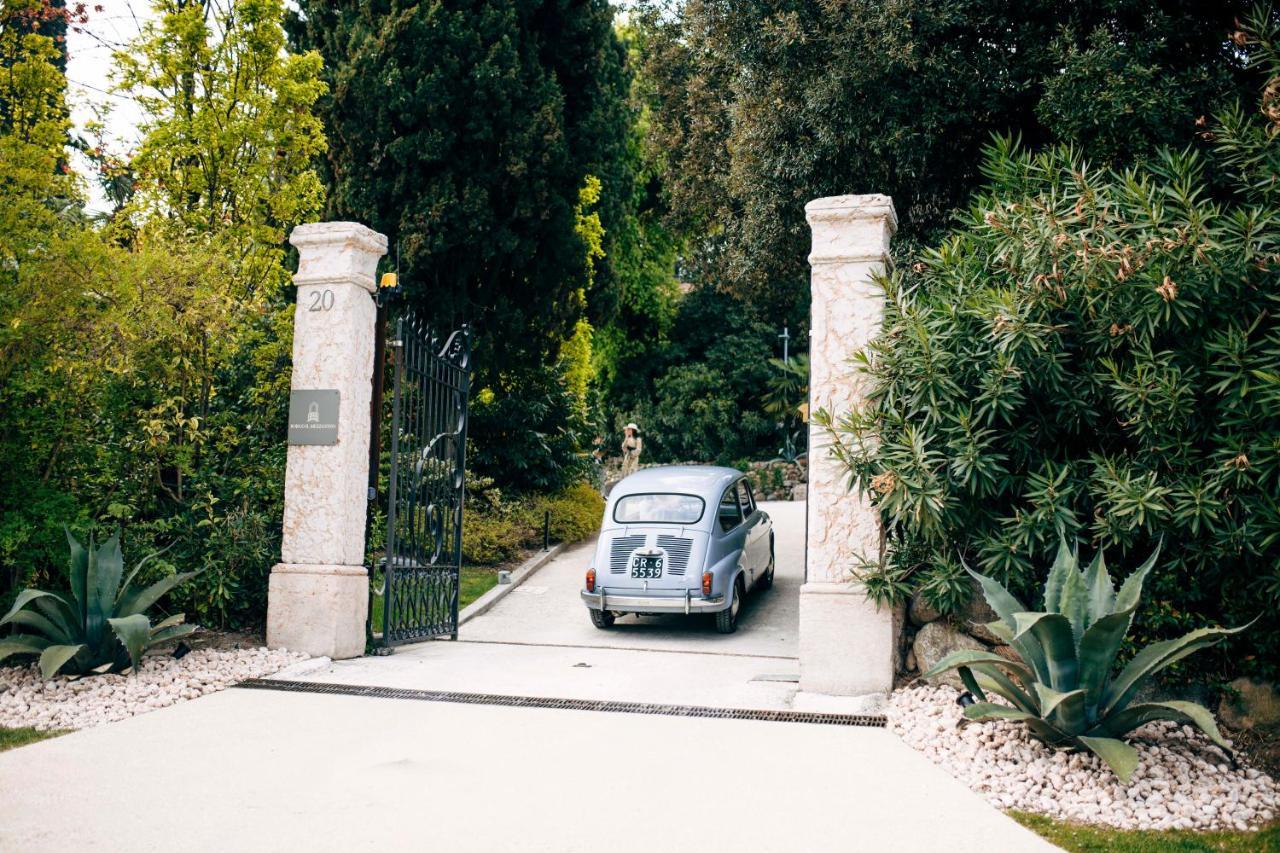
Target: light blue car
(680, 539)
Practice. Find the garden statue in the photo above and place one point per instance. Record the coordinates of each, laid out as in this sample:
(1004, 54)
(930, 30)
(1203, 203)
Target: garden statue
(632, 444)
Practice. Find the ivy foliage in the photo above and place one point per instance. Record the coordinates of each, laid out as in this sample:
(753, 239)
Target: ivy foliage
(1095, 353)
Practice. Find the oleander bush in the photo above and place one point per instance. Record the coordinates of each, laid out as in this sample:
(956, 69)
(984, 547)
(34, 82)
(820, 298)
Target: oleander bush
(1092, 353)
(102, 625)
(1066, 688)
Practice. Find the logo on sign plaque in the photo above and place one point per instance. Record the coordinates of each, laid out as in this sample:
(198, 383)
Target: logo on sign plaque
(313, 417)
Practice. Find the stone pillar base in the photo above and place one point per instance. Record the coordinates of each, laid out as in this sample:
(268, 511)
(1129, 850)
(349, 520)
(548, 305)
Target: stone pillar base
(319, 610)
(847, 644)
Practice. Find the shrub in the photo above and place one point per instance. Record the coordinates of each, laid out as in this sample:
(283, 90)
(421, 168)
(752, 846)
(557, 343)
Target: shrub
(1091, 353)
(488, 540)
(71, 635)
(575, 512)
(1067, 692)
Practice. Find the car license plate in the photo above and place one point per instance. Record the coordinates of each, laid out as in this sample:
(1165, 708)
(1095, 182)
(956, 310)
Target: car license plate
(646, 568)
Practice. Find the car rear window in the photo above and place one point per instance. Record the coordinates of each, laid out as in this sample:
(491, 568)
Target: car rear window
(664, 509)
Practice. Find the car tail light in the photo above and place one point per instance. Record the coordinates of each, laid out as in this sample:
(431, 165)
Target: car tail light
(591, 580)
(706, 583)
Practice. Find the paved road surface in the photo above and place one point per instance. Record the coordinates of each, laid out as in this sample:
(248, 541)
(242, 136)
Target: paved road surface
(546, 609)
(539, 641)
(247, 770)
(250, 770)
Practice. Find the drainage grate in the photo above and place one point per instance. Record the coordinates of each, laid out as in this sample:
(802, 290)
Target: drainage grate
(874, 720)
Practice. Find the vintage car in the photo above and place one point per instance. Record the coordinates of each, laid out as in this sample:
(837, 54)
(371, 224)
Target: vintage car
(680, 539)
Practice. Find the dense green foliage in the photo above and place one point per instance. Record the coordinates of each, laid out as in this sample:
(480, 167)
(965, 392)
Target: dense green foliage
(574, 514)
(467, 131)
(144, 371)
(1065, 688)
(698, 395)
(760, 107)
(102, 626)
(1092, 352)
(495, 528)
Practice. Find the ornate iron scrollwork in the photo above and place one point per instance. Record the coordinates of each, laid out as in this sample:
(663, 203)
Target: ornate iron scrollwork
(427, 483)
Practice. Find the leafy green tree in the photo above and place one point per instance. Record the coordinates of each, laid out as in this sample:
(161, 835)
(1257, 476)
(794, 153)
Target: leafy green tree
(146, 362)
(761, 106)
(228, 135)
(38, 205)
(644, 251)
(697, 397)
(465, 131)
(1095, 353)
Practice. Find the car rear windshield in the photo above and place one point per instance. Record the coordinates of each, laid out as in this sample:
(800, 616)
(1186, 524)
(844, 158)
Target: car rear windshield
(663, 509)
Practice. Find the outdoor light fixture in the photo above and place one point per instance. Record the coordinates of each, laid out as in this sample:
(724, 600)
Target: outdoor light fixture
(706, 583)
(389, 280)
(591, 580)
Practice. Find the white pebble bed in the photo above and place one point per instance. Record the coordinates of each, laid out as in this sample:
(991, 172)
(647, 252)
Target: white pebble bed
(64, 703)
(1183, 781)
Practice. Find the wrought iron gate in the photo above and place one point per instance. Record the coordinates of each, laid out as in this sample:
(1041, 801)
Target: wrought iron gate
(426, 486)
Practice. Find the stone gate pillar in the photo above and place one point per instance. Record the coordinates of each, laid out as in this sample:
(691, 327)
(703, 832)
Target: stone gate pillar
(847, 644)
(318, 595)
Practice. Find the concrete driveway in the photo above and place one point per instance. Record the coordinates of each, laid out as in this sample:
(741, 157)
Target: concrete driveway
(547, 610)
(262, 770)
(539, 641)
(249, 770)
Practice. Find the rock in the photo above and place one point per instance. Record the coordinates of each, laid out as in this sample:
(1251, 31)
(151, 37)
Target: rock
(25, 699)
(910, 664)
(1008, 653)
(921, 612)
(799, 492)
(1250, 704)
(975, 615)
(937, 640)
(1008, 768)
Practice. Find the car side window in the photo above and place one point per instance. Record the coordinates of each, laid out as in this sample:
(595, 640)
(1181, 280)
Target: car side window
(730, 511)
(746, 499)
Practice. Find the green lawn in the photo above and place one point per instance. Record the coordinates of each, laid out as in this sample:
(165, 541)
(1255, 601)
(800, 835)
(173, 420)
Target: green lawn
(1092, 839)
(475, 583)
(14, 738)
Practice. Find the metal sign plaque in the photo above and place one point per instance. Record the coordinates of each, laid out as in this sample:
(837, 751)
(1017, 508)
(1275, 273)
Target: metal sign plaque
(313, 417)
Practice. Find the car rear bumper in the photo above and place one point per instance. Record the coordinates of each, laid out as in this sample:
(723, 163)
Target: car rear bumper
(631, 603)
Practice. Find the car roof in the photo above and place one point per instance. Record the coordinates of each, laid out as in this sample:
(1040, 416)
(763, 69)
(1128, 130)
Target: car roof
(707, 481)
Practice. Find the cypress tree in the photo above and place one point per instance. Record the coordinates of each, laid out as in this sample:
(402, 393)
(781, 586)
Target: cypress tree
(464, 130)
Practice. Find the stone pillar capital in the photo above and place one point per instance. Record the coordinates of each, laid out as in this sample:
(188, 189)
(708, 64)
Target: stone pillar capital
(850, 228)
(337, 253)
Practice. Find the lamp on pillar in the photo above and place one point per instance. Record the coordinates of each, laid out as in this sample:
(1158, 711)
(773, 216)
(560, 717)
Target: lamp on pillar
(847, 643)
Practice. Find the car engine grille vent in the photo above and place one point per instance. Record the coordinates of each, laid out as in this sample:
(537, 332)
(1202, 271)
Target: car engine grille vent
(620, 550)
(677, 550)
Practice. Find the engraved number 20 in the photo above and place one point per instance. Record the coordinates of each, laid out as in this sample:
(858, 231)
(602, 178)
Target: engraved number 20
(321, 300)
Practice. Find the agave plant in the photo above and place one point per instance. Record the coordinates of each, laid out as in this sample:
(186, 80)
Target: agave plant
(102, 627)
(1066, 688)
